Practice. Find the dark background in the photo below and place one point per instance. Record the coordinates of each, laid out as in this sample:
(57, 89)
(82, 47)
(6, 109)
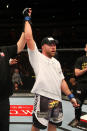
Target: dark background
(64, 20)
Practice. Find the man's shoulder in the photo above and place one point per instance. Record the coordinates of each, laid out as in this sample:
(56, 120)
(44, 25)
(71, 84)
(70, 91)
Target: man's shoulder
(55, 60)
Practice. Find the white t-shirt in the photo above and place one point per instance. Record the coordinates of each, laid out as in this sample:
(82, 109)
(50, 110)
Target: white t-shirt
(48, 74)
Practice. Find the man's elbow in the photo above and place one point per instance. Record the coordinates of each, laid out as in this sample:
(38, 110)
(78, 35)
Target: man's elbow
(28, 36)
(76, 74)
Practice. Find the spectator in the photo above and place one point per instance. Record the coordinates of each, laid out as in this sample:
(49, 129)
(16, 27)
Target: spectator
(16, 79)
(81, 86)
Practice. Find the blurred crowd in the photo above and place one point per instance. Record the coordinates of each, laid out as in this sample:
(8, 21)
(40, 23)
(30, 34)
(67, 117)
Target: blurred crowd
(21, 73)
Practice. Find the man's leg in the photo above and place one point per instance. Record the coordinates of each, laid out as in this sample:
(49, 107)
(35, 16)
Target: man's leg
(38, 122)
(78, 113)
(80, 97)
(51, 127)
(34, 128)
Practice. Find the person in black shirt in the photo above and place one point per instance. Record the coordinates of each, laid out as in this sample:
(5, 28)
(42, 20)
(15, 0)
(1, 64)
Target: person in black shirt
(81, 85)
(7, 52)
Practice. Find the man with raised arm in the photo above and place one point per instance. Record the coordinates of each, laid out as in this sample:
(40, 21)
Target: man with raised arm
(49, 80)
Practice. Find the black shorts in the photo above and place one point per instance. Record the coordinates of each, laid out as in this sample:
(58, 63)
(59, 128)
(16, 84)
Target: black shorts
(46, 111)
(81, 91)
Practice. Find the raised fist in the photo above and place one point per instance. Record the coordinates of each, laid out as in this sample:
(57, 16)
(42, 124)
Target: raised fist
(27, 15)
(27, 12)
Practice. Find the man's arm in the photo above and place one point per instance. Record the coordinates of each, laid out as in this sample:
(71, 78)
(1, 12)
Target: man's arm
(21, 43)
(65, 89)
(28, 30)
(79, 72)
(29, 36)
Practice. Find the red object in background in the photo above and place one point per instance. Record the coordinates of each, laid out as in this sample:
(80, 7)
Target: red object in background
(21, 110)
(84, 118)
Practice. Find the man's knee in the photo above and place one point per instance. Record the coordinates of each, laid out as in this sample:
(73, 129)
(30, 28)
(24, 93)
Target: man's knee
(55, 124)
(37, 124)
(34, 128)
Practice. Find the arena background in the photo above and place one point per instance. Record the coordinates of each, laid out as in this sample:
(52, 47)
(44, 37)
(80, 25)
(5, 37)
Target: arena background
(66, 21)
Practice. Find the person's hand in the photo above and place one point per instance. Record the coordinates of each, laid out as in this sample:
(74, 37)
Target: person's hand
(27, 12)
(13, 61)
(74, 102)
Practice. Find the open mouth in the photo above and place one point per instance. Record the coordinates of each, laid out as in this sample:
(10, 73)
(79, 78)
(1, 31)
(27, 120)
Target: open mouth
(53, 51)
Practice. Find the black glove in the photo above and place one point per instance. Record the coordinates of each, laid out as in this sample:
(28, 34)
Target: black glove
(25, 13)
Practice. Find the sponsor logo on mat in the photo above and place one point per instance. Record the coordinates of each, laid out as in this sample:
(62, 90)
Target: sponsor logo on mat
(21, 110)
